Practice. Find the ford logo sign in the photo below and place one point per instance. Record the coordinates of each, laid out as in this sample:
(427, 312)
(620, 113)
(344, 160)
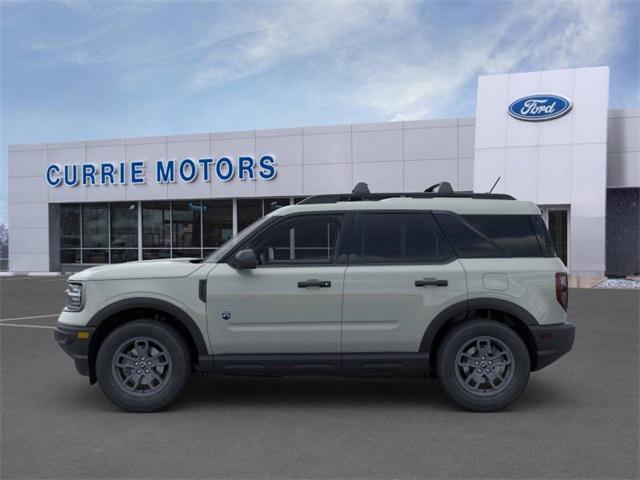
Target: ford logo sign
(536, 108)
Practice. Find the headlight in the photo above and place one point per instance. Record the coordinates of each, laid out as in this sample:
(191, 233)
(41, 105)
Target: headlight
(75, 301)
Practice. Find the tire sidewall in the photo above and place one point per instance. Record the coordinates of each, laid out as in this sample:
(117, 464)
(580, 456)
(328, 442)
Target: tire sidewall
(176, 347)
(446, 365)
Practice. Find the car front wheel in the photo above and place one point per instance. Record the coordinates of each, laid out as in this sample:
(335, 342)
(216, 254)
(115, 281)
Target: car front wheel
(143, 365)
(483, 365)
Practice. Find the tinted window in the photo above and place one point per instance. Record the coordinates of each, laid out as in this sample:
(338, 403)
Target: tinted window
(95, 225)
(303, 240)
(217, 222)
(544, 239)
(401, 238)
(467, 242)
(124, 225)
(514, 234)
(249, 210)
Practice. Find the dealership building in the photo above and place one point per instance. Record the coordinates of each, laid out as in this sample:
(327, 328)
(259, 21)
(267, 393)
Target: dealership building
(548, 137)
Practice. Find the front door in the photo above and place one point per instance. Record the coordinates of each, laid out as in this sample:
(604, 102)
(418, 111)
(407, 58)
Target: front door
(401, 275)
(292, 302)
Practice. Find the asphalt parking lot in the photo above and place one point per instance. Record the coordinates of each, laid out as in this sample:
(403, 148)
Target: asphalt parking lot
(578, 418)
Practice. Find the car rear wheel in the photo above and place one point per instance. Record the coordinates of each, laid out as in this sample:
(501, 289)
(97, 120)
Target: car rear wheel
(143, 365)
(483, 365)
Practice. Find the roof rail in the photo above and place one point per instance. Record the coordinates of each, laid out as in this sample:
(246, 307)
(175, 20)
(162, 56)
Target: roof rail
(361, 192)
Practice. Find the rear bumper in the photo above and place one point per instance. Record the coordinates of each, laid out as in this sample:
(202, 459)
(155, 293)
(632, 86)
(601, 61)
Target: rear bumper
(552, 342)
(77, 348)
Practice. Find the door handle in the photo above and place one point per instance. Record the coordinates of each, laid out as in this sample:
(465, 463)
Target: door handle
(314, 283)
(431, 282)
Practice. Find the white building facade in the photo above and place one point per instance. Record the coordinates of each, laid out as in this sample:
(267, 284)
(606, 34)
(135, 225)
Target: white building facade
(547, 137)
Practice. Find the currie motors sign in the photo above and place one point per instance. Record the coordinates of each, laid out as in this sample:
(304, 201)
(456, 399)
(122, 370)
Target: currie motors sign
(540, 107)
(187, 170)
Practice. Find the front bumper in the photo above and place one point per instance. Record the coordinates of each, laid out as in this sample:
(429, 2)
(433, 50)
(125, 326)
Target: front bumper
(75, 343)
(552, 342)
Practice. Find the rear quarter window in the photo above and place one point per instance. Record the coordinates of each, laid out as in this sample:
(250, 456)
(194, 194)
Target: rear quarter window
(489, 236)
(514, 234)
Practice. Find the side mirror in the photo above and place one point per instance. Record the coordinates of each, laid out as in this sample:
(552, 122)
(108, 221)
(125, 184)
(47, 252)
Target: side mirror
(245, 260)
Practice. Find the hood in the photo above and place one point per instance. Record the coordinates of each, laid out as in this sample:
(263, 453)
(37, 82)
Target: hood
(165, 268)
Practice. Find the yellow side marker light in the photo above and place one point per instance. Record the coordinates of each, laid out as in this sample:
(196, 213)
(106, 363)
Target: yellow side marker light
(83, 335)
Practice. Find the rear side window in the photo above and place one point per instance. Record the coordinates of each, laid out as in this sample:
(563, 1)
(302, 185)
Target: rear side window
(467, 241)
(400, 238)
(544, 239)
(486, 236)
(514, 234)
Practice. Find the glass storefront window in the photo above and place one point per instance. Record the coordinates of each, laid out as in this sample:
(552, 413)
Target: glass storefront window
(271, 204)
(94, 255)
(249, 210)
(154, 253)
(124, 225)
(217, 222)
(69, 226)
(186, 225)
(95, 233)
(70, 255)
(119, 255)
(95, 225)
(156, 225)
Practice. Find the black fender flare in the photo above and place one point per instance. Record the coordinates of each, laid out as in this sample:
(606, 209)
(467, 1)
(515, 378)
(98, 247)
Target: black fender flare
(156, 304)
(461, 309)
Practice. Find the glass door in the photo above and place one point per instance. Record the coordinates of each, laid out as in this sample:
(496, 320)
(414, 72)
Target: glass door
(557, 220)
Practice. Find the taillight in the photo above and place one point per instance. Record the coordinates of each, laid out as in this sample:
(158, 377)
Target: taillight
(562, 289)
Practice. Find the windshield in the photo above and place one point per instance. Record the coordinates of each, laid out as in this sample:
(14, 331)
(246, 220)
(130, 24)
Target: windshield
(232, 242)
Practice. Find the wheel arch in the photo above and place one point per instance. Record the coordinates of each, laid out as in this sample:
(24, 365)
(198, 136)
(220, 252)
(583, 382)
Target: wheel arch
(502, 311)
(123, 311)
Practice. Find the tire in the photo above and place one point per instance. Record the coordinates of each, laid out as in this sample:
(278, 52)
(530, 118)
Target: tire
(483, 365)
(143, 365)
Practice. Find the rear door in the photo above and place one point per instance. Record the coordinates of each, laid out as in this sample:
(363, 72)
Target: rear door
(401, 274)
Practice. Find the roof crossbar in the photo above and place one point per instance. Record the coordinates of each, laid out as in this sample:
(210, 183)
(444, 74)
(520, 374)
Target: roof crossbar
(361, 192)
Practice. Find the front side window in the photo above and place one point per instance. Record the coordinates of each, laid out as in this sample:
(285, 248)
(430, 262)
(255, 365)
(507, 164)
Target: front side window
(308, 240)
(400, 238)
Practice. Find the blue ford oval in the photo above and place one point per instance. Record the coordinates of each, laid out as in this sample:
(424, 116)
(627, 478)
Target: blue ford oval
(536, 108)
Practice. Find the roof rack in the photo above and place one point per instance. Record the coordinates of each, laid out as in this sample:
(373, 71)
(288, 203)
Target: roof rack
(361, 192)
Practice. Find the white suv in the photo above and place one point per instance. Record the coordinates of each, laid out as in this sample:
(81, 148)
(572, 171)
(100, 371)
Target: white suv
(462, 286)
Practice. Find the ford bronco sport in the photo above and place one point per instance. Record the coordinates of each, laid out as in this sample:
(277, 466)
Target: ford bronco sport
(464, 287)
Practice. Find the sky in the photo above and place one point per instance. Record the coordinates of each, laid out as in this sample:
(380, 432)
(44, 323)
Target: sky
(73, 70)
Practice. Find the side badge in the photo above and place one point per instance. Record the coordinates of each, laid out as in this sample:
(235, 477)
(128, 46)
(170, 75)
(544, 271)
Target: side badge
(225, 315)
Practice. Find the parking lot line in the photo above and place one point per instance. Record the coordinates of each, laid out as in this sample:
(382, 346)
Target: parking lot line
(28, 318)
(25, 326)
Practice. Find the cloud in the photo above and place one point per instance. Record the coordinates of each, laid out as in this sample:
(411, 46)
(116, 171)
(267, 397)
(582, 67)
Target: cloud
(536, 35)
(401, 59)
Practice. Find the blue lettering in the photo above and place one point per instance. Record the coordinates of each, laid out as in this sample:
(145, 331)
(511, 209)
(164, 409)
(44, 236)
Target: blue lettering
(245, 165)
(165, 174)
(219, 171)
(106, 173)
(123, 173)
(88, 174)
(193, 170)
(137, 172)
(51, 180)
(267, 168)
(70, 180)
(206, 168)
